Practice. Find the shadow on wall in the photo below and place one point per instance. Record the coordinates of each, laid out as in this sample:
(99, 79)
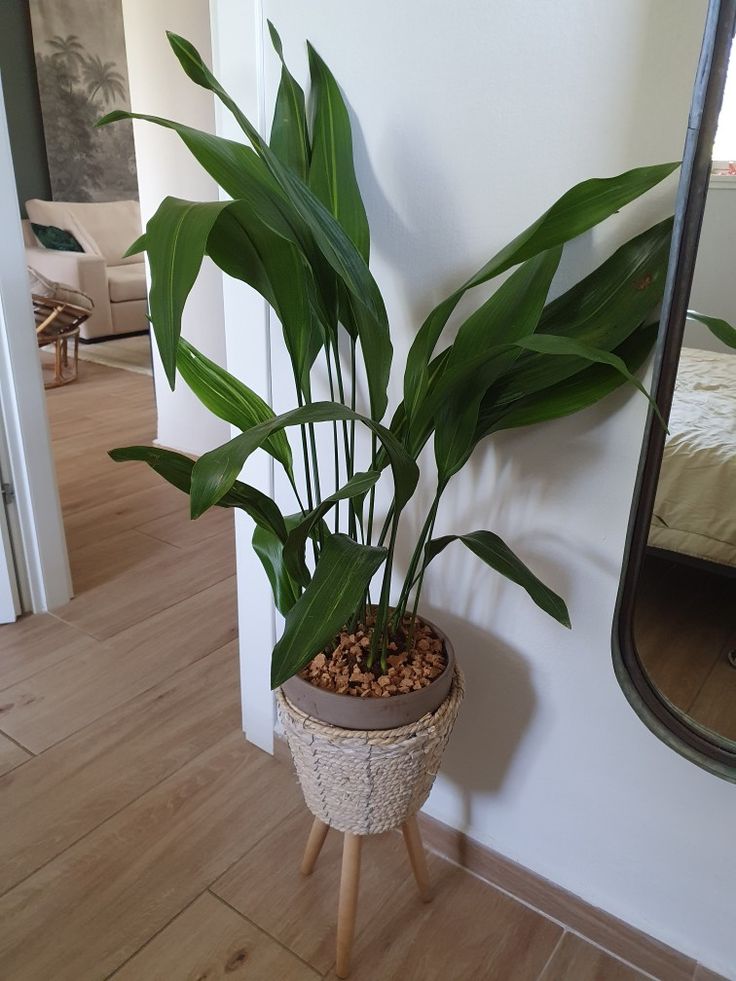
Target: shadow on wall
(499, 705)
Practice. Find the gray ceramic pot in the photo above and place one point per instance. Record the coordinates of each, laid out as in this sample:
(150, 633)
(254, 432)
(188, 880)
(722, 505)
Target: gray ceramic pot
(373, 713)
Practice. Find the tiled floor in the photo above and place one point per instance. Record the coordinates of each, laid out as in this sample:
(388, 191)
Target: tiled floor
(142, 837)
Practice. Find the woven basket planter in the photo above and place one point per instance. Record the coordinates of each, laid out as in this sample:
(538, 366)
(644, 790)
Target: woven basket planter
(368, 781)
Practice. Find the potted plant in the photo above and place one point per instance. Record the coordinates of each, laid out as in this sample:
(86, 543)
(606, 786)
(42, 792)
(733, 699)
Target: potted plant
(368, 686)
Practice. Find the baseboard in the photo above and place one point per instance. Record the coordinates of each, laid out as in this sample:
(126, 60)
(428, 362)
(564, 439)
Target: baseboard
(112, 337)
(570, 911)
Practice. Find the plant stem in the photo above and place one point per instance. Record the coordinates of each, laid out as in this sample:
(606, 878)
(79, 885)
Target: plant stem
(336, 449)
(372, 495)
(296, 493)
(353, 346)
(305, 451)
(313, 457)
(424, 535)
(379, 627)
(417, 594)
(386, 525)
(347, 436)
(303, 430)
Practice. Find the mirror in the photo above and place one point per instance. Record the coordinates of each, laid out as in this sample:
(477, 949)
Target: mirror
(675, 630)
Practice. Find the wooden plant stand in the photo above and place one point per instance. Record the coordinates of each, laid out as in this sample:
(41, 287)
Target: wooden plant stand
(347, 906)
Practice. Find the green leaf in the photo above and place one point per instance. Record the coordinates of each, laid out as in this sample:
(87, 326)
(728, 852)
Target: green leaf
(235, 167)
(579, 209)
(359, 484)
(720, 329)
(137, 247)
(269, 549)
(177, 470)
(255, 238)
(332, 170)
(176, 241)
(602, 310)
(496, 553)
(551, 344)
(571, 395)
(334, 244)
(216, 471)
(343, 574)
(173, 467)
(245, 248)
(512, 312)
(289, 136)
(229, 399)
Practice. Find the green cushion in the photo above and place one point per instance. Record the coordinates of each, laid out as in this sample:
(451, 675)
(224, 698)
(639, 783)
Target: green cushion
(52, 237)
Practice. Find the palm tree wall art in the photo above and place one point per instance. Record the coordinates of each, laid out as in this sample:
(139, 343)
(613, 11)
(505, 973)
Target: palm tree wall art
(82, 72)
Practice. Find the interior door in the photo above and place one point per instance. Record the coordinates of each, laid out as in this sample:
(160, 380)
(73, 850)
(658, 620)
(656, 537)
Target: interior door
(35, 515)
(9, 589)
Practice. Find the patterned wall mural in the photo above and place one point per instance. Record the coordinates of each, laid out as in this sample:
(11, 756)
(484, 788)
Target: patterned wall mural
(82, 74)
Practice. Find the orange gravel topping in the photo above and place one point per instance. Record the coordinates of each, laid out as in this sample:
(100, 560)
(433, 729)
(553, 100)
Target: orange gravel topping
(342, 666)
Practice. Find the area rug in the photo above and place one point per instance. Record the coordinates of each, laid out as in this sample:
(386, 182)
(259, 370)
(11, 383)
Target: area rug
(129, 353)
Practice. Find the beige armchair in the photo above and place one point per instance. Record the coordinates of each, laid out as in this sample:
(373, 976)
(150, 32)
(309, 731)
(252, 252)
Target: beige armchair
(116, 285)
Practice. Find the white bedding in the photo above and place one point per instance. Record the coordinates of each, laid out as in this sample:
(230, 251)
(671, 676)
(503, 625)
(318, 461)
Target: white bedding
(695, 506)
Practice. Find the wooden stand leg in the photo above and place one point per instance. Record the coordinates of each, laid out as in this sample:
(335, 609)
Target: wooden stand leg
(57, 362)
(348, 903)
(314, 846)
(413, 841)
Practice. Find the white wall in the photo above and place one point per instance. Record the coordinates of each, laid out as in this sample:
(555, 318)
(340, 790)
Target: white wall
(158, 86)
(473, 118)
(714, 289)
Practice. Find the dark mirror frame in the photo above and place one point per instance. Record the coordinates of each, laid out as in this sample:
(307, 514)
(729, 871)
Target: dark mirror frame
(682, 734)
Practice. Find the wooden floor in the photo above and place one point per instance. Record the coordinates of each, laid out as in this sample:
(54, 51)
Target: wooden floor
(142, 838)
(685, 629)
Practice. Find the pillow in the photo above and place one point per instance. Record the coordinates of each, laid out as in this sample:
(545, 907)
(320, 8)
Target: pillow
(52, 237)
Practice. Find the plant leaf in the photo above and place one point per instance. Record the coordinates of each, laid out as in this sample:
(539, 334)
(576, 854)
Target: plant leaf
(332, 170)
(243, 247)
(177, 470)
(176, 241)
(602, 310)
(512, 312)
(289, 136)
(269, 549)
(359, 484)
(579, 209)
(216, 471)
(564, 398)
(605, 309)
(720, 329)
(552, 344)
(343, 573)
(496, 553)
(235, 167)
(173, 467)
(136, 247)
(326, 234)
(229, 399)
(251, 240)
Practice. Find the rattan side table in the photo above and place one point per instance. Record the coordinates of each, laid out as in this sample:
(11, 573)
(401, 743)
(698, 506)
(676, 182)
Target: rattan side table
(58, 323)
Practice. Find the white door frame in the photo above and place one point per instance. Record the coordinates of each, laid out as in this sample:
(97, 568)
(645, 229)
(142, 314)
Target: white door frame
(41, 553)
(237, 54)
(10, 604)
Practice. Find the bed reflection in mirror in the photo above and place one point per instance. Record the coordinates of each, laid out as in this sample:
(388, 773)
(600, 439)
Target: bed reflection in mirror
(685, 614)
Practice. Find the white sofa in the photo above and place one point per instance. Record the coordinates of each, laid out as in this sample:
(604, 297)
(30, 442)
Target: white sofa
(116, 285)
